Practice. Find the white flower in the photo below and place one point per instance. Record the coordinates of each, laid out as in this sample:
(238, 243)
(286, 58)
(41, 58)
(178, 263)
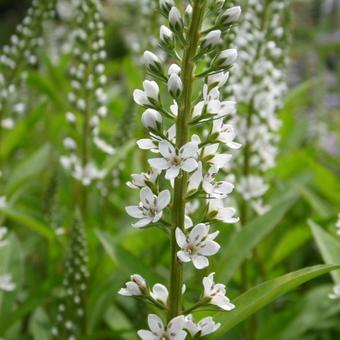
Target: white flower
(150, 95)
(336, 294)
(221, 213)
(227, 57)
(204, 327)
(216, 293)
(225, 133)
(152, 62)
(160, 293)
(215, 189)
(166, 34)
(175, 85)
(140, 180)
(174, 330)
(151, 119)
(211, 39)
(175, 19)
(173, 161)
(231, 15)
(218, 79)
(6, 283)
(150, 209)
(135, 287)
(197, 245)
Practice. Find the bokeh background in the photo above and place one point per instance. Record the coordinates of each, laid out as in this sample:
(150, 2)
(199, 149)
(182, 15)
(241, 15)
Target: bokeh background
(40, 192)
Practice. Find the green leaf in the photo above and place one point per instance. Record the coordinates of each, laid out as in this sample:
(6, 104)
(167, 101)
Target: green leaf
(27, 221)
(256, 298)
(242, 242)
(29, 167)
(329, 248)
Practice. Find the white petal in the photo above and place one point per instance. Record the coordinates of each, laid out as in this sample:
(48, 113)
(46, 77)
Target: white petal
(146, 144)
(163, 199)
(198, 233)
(222, 302)
(189, 150)
(146, 335)
(183, 256)
(166, 149)
(209, 248)
(176, 324)
(134, 211)
(155, 324)
(172, 172)
(180, 238)
(146, 196)
(142, 223)
(189, 165)
(200, 262)
(140, 98)
(159, 163)
(160, 293)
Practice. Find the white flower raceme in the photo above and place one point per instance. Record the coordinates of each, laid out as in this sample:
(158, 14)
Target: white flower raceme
(252, 187)
(6, 283)
(150, 95)
(204, 327)
(175, 160)
(173, 331)
(160, 293)
(135, 287)
(216, 293)
(197, 245)
(150, 209)
(336, 293)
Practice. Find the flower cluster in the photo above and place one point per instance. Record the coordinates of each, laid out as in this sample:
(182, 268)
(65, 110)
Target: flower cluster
(87, 97)
(258, 84)
(182, 192)
(71, 310)
(19, 53)
(6, 283)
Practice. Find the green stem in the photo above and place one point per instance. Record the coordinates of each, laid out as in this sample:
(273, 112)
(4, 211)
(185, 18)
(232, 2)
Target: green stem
(182, 128)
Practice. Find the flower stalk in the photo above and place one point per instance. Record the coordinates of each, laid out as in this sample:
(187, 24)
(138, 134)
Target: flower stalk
(182, 128)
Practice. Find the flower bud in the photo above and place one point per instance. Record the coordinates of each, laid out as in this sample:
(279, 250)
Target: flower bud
(175, 20)
(151, 119)
(174, 68)
(230, 16)
(226, 58)
(151, 90)
(166, 35)
(175, 85)
(165, 6)
(211, 39)
(152, 62)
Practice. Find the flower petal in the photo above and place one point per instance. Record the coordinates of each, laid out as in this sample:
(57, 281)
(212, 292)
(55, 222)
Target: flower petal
(200, 262)
(163, 199)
